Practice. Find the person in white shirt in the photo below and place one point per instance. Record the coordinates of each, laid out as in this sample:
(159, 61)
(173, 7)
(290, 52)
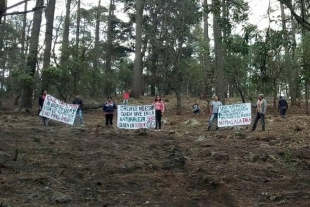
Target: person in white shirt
(261, 107)
(214, 109)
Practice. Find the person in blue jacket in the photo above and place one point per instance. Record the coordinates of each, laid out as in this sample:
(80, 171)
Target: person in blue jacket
(108, 109)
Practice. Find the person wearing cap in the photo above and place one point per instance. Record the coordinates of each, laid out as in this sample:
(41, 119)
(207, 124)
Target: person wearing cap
(282, 106)
(261, 107)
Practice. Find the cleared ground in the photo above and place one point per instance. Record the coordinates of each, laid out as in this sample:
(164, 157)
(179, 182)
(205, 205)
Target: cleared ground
(183, 165)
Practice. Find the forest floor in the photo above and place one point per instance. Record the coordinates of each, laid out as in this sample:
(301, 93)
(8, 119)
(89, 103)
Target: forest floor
(183, 165)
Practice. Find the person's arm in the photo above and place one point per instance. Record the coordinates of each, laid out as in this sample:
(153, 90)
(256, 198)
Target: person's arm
(286, 104)
(162, 107)
(81, 103)
(115, 106)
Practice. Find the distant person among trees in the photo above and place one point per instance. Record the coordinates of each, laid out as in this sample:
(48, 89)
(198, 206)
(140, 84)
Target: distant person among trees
(79, 114)
(196, 108)
(159, 110)
(282, 106)
(214, 109)
(108, 109)
(261, 107)
(41, 103)
(126, 97)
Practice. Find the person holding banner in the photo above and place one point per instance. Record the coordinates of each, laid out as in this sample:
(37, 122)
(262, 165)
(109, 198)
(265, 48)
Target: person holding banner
(261, 107)
(214, 110)
(41, 102)
(108, 109)
(79, 114)
(159, 110)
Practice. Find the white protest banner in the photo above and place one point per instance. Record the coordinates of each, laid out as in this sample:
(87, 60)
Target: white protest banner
(58, 110)
(234, 115)
(135, 117)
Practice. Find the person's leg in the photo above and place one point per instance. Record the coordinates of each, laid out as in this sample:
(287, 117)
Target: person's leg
(284, 112)
(255, 122)
(107, 119)
(216, 117)
(111, 119)
(159, 119)
(262, 119)
(281, 112)
(81, 117)
(210, 121)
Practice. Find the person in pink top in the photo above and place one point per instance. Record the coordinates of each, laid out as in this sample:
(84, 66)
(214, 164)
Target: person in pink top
(159, 110)
(126, 97)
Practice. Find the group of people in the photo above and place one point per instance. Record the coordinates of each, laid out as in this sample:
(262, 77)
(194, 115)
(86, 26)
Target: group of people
(110, 106)
(261, 108)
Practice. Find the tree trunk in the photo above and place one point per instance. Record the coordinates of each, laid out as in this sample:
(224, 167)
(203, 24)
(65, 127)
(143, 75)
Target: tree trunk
(75, 72)
(24, 29)
(109, 51)
(64, 51)
(207, 59)
(306, 64)
(96, 70)
(97, 36)
(288, 66)
(32, 57)
(179, 102)
(137, 72)
(296, 70)
(219, 55)
(50, 13)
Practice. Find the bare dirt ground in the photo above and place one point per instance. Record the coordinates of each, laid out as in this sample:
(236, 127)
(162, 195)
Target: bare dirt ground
(183, 165)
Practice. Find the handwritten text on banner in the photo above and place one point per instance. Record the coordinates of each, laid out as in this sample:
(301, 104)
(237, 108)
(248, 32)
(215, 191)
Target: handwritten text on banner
(234, 115)
(58, 110)
(135, 117)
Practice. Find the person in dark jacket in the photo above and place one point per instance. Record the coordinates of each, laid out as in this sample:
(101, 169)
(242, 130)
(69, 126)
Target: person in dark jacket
(79, 114)
(108, 109)
(196, 108)
(282, 106)
(41, 103)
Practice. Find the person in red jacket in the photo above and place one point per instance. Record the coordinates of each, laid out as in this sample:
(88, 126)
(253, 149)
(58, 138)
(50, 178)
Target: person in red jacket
(126, 97)
(159, 110)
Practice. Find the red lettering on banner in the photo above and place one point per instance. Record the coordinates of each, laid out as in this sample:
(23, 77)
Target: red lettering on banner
(246, 120)
(140, 125)
(65, 119)
(150, 118)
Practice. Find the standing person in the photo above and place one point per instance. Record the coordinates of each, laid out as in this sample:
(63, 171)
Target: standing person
(282, 106)
(159, 110)
(79, 113)
(108, 109)
(214, 110)
(261, 107)
(126, 97)
(196, 108)
(41, 103)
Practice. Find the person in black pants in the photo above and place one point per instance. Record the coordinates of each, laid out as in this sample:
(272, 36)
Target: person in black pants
(282, 106)
(159, 110)
(108, 109)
